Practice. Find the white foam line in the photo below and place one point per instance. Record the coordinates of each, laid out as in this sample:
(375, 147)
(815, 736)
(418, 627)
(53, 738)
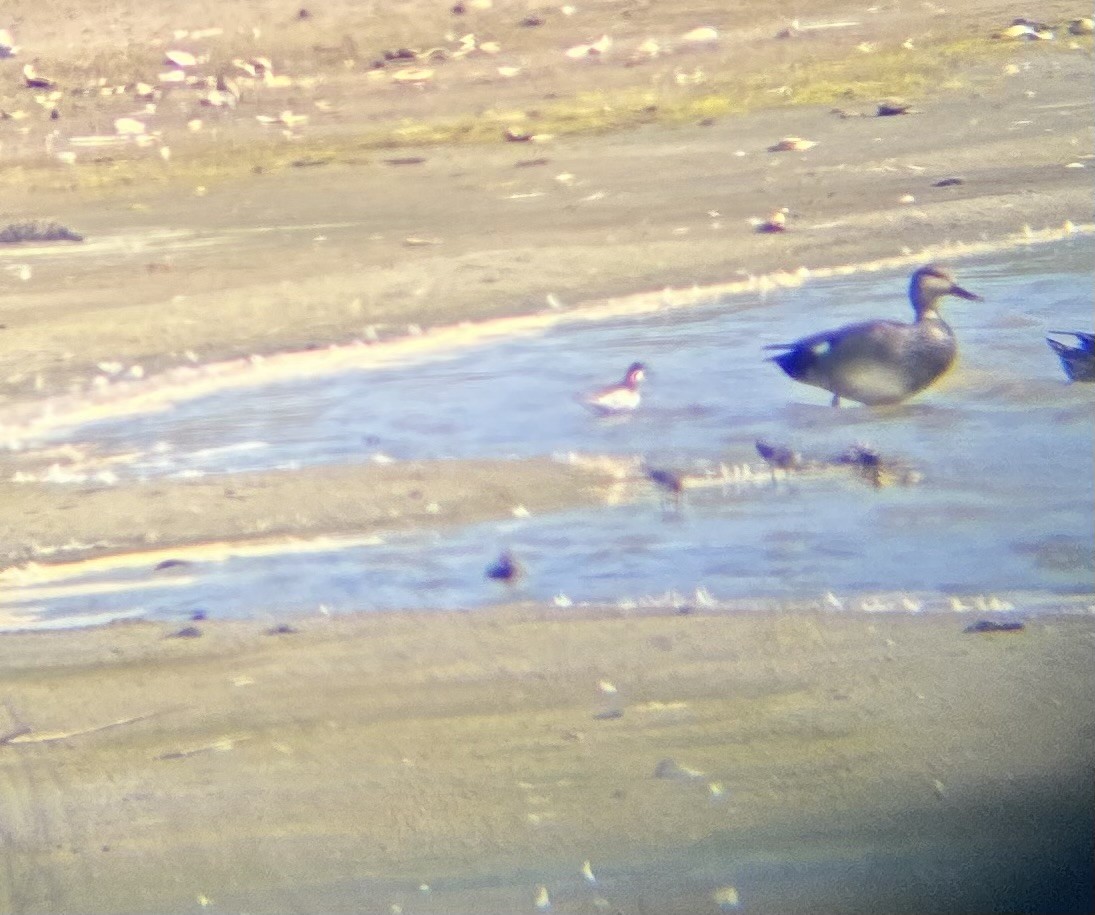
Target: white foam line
(35, 574)
(28, 621)
(36, 592)
(30, 420)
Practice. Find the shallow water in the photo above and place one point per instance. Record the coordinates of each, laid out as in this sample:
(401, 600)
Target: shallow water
(1003, 444)
(709, 388)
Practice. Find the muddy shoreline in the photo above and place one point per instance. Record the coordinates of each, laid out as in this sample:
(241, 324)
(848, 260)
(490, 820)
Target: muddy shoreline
(484, 755)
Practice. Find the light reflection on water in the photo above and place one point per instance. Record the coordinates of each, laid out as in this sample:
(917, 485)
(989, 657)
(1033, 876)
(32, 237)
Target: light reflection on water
(1003, 442)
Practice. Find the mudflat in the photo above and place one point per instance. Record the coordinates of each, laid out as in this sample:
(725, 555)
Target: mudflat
(783, 757)
(811, 761)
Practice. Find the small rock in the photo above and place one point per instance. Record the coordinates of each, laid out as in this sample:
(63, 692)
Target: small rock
(777, 222)
(670, 768)
(792, 144)
(128, 127)
(32, 79)
(892, 107)
(8, 48)
(180, 59)
(415, 75)
(947, 182)
(701, 35)
(36, 231)
(726, 897)
(170, 564)
(187, 632)
(995, 626)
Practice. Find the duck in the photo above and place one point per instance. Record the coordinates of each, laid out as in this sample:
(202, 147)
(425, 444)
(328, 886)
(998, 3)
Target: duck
(620, 398)
(881, 362)
(1078, 361)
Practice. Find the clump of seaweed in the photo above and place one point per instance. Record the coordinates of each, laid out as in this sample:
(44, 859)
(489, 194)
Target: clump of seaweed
(37, 230)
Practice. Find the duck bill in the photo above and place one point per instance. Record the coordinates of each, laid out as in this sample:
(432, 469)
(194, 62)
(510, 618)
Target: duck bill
(966, 294)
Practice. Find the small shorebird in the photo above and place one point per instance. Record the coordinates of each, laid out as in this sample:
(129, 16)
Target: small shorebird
(881, 362)
(1078, 361)
(670, 484)
(778, 457)
(872, 467)
(618, 398)
(505, 568)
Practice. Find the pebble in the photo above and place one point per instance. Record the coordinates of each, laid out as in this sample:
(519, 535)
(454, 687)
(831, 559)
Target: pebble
(792, 144)
(995, 626)
(670, 768)
(726, 897)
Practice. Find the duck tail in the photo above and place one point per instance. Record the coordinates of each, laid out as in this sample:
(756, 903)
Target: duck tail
(1084, 340)
(1057, 346)
(798, 362)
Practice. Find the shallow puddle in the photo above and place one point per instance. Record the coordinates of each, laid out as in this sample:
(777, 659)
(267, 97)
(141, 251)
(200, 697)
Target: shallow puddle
(1003, 445)
(710, 392)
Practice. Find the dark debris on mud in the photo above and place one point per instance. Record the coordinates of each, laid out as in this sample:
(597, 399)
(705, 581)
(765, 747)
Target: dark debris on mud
(36, 230)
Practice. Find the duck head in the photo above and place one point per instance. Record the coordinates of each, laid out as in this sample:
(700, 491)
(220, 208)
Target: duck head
(929, 284)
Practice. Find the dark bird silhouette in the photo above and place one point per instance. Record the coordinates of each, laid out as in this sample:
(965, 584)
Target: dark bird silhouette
(865, 461)
(1078, 361)
(778, 457)
(505, 568)
(670, 484)
(881, 362)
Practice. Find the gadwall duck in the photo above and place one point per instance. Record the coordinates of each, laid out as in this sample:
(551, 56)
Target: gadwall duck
(1078, 361)
(618, 398)
(881, 362)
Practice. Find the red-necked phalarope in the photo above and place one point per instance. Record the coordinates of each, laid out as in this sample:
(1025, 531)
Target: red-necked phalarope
(618, 398)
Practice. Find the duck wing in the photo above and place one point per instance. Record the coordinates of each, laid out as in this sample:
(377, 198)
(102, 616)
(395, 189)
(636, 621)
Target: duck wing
(872, 362)
(863, 333)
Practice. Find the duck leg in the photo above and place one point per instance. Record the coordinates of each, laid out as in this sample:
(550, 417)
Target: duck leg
(836, 400)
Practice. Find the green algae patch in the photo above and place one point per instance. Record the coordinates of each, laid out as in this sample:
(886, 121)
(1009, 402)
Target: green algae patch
(865, 75)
